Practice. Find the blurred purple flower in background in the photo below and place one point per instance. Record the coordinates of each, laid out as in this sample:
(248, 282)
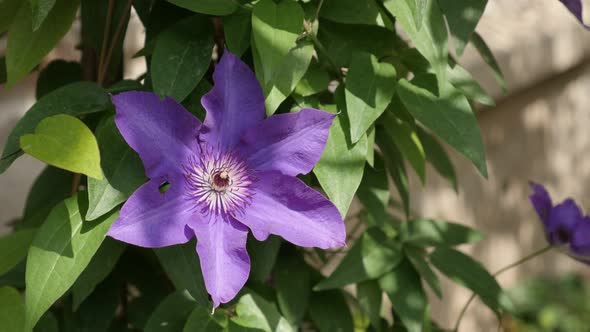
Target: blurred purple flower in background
(575, 7)
(235, 171)
(565, 226)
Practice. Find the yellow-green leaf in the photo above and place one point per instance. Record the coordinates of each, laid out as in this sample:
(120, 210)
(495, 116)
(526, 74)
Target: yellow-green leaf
(65, 142)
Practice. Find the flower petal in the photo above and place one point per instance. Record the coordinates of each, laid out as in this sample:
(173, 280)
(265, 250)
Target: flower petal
(562, 221)
(161, 131)
(580, 244)
(290, 143)
(285, 206)
(575, 7)
(235, 103)
(541, 201)
(221, 246)
(153, 219)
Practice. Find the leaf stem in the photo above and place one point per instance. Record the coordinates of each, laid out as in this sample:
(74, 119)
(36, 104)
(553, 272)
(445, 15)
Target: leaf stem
(76, 183)
(500, 271)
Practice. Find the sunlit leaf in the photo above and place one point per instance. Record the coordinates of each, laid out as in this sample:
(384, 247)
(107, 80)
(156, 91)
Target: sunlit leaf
(65, 142)
(341, 166)
(370, 85)
(74, 99)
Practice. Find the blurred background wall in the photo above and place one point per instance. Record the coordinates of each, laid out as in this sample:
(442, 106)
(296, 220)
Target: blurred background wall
(539, 131)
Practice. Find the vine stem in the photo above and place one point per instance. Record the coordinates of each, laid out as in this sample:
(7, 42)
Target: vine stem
(318, 44)
(103, 67)
(104, 60)
(500, 271)
(106, 32)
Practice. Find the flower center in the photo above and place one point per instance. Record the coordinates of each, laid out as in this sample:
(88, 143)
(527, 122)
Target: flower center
(219, 183)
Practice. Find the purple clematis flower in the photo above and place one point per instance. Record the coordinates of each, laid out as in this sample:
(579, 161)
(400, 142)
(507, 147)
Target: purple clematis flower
(234, 172)
(575, 7)
(565, 226)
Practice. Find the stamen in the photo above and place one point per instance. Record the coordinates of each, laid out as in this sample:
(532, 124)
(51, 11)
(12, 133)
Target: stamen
(219, 183)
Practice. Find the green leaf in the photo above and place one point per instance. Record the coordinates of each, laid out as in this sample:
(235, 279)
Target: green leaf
(47, 323)
(40, 10)
(314, 81)
(171, 314)
(292, 280)
(61, 250)
(12, 310)
(65, 142)
(14, 248)
(418, 8)
(329, 312)
(374, 191)
(26, 47)
(396, 167)
(407, 141)
(201, 320)
(469, 273)
(255, 312)
(370, 85)
(181, 264)
(462, 17)
(341, 41)
(99, 310)
(124, 86)
(8, 10)
(450, 118)
(98, 269)
(404, 289)
(431, 39)
(275, 28)
(237, 28)
(51, 187)
(123, 171)
(416, 257)
(193, 102)
(368, 294)
(74, 99)
(57, 74)
(285, 79)
(438, 157)
(263, 255)
(353, 12)
(210, 7)
(488, 57)
(370, 257)
(141, 269)
(464, 82)
(340, 169)
(429, 232)
(181, 57)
